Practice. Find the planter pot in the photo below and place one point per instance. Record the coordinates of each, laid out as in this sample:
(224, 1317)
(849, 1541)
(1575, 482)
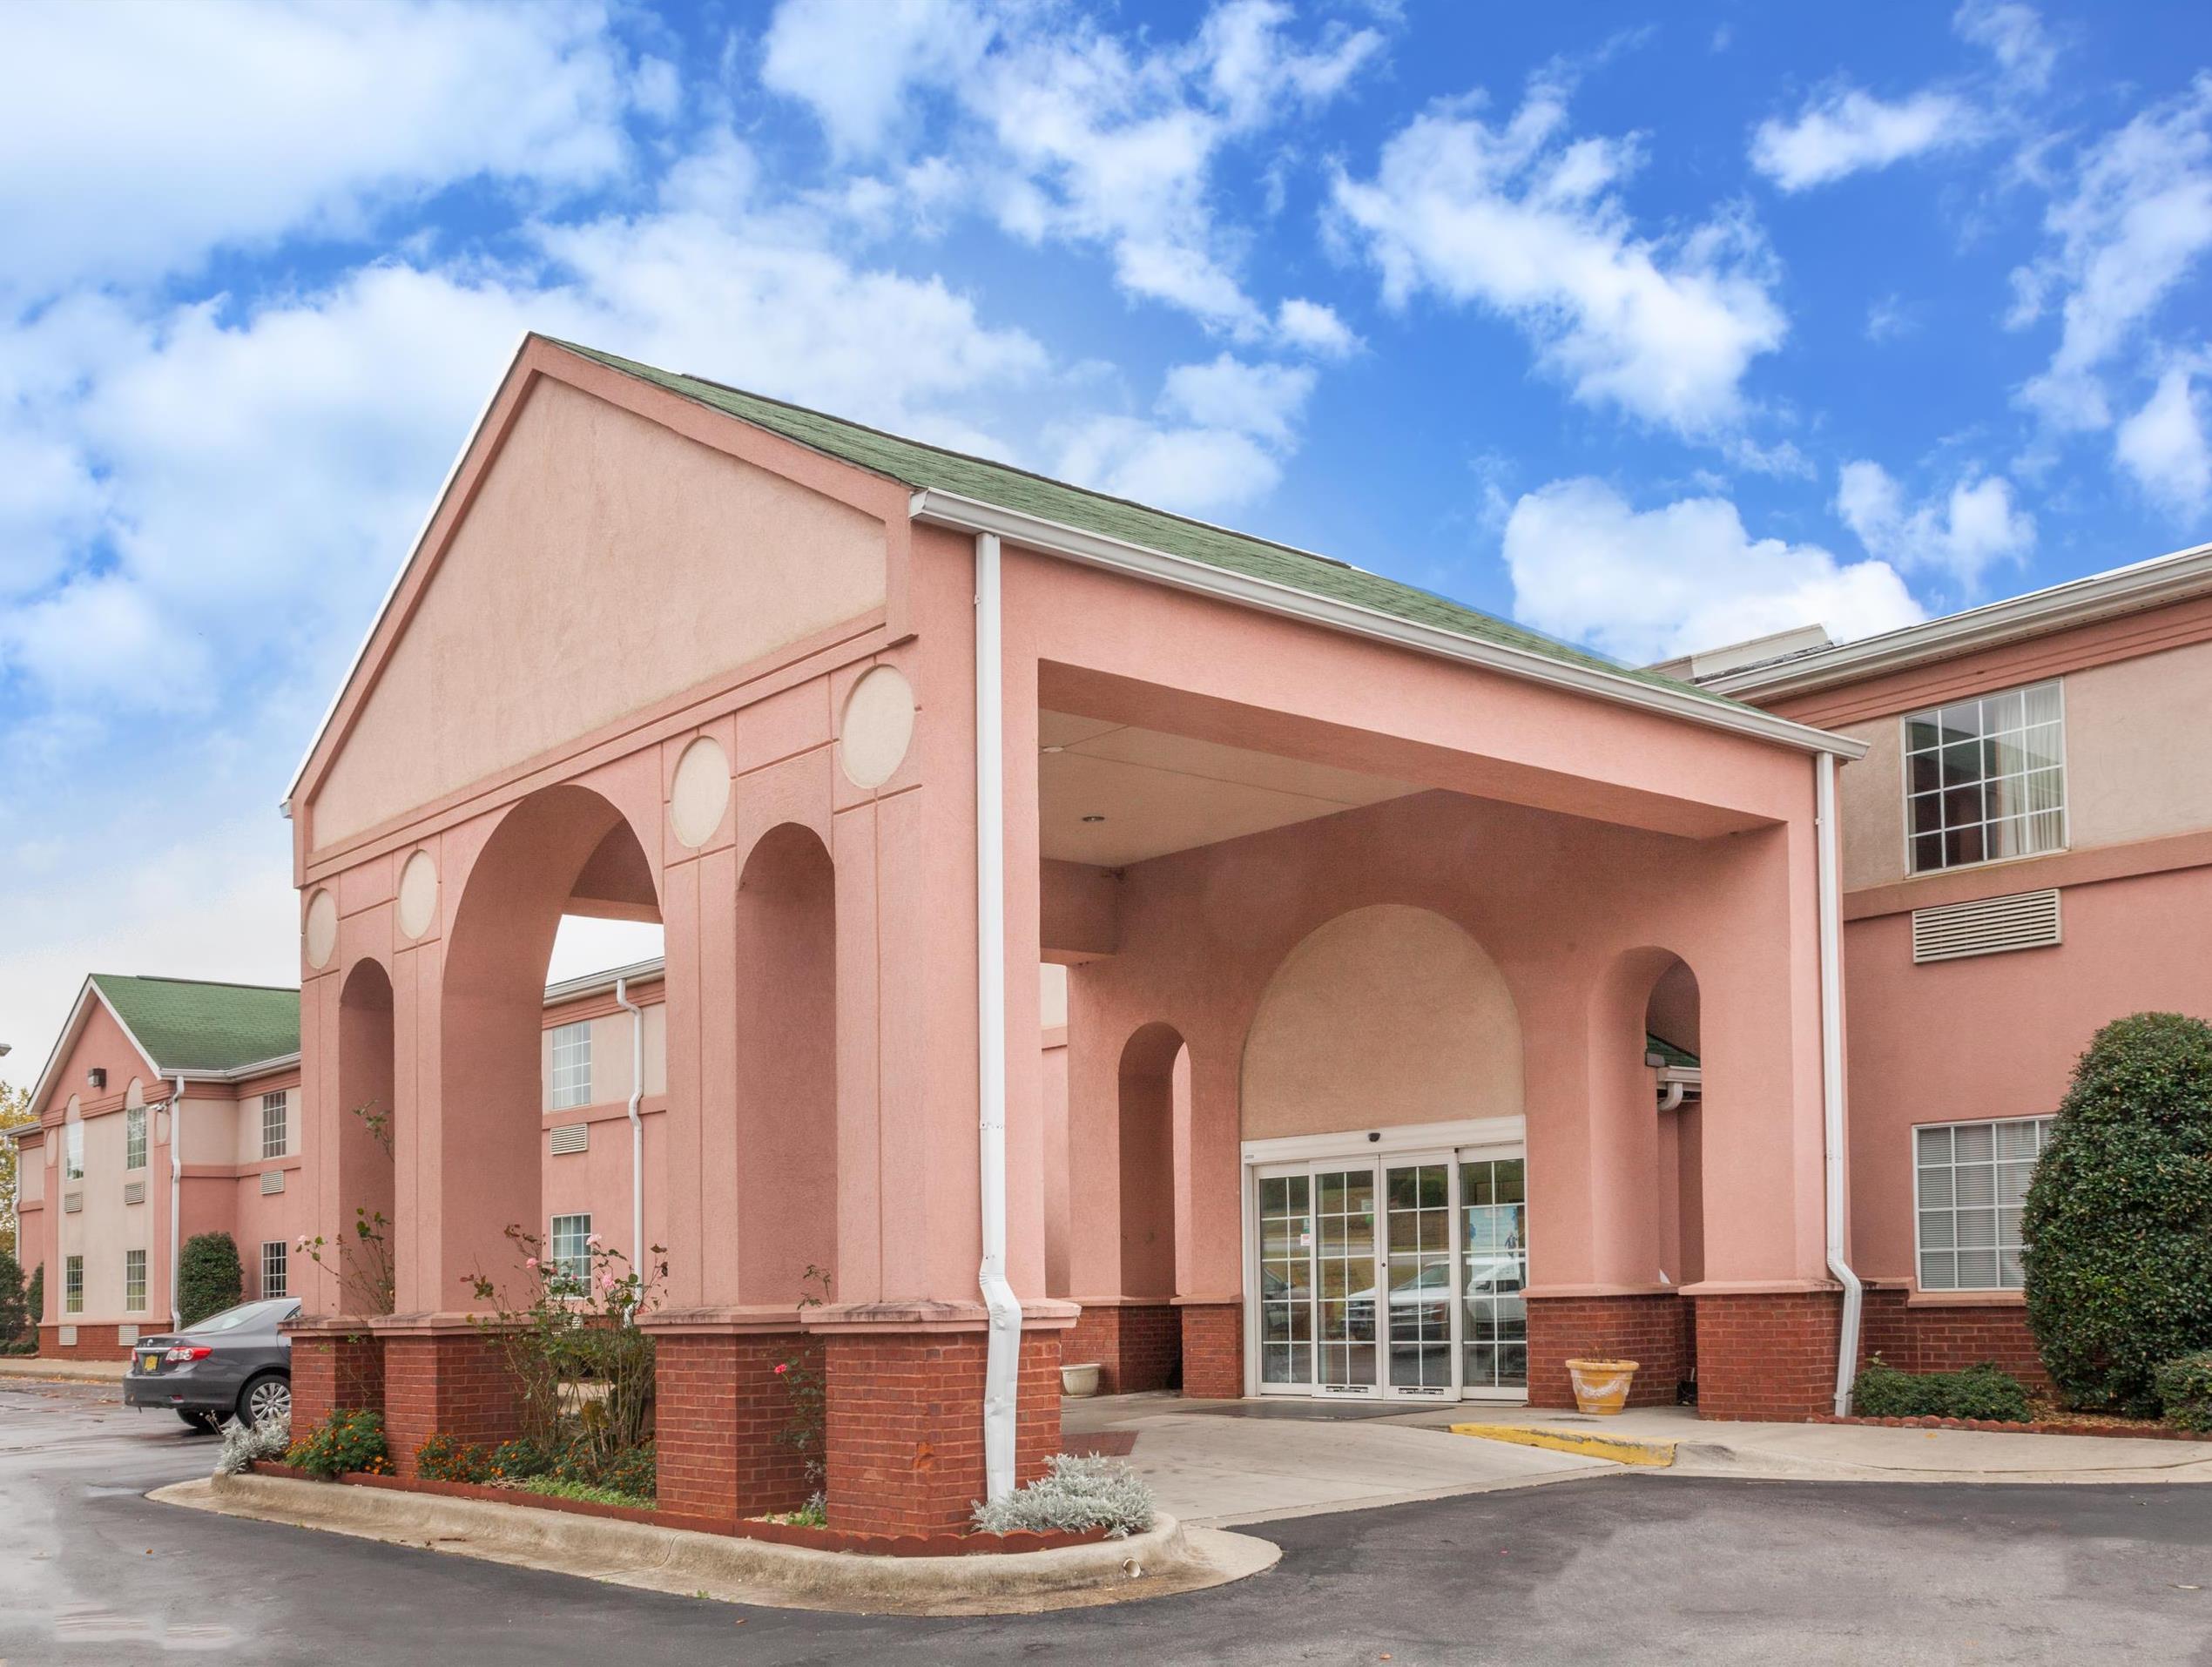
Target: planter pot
(1601, 1386)
(1079, 1380)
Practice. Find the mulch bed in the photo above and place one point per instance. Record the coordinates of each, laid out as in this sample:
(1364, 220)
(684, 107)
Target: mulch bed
(2062, 1425)
(818, 1539)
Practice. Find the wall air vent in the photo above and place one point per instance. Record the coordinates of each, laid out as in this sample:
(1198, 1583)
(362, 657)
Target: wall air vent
(272, 1181)
(571, 1138)
(134, 1192)
(71, 1203)
(1987, 926)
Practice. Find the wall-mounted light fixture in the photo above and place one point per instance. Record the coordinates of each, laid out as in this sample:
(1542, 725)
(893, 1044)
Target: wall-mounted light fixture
(96, 1077)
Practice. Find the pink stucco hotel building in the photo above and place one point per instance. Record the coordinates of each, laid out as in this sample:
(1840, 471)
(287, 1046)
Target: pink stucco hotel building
(1423, 1001)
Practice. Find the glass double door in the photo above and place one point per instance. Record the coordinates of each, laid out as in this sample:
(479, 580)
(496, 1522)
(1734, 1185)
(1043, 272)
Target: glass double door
(1398, 1277)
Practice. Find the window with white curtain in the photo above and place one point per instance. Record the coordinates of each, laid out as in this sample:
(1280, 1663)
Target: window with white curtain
(1986, 779)
(571, 1064)
(1970, 1181)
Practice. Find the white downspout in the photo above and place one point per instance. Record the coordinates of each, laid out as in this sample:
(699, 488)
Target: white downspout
(1831, 1068)
(637, 1124)
(1003, 1352)
(176, 1203)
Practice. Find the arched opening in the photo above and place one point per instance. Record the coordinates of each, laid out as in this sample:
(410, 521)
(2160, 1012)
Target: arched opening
(1154, 1091)
(563, 851)
(786, 1055)
(1674, 1053)
(358, 1272)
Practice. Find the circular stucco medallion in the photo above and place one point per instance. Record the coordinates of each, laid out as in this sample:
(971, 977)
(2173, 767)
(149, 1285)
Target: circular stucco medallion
(879, 726)
(418, 894)
(322, 928)
(700, 793)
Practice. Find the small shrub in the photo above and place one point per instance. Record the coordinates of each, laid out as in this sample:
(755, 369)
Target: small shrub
(518, 1460)
(209, 1278)
(2184, 1387)
(268, 1438)
(1072, 1495)
(1882, 1391)
(15, 1312)
(34, 1302)
(552, 1488)
(813, 1514)
(443, 1459)
(347, 1441)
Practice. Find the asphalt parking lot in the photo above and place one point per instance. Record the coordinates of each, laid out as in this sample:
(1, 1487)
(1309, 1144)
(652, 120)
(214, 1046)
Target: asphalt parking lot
(1639, 1567)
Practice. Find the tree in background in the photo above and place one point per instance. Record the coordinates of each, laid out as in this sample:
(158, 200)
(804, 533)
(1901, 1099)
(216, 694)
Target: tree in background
(2118, 1222)
(15, 1109)
(209, 1277)
(15, 1312)
(34, 1300)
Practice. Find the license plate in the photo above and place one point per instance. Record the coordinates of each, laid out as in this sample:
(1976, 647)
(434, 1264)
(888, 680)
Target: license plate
(149, 1362)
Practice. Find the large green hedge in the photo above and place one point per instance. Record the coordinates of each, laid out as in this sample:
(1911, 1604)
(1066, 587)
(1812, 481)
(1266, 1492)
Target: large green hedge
(209, 1278)
(2119, 1218)
(14, 1312)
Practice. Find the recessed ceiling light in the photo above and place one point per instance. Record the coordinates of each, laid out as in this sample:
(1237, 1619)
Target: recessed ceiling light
(1052, 749)
(1094, 819)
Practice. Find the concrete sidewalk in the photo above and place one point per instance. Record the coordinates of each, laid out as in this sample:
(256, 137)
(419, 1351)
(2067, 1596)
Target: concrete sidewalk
(48, 1371)
(1865, 1452)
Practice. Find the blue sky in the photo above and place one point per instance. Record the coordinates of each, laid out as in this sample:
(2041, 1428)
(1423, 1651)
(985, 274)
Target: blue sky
(1652, 327)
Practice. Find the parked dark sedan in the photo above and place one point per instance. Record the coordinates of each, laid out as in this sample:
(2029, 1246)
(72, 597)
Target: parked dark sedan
(235, 1363)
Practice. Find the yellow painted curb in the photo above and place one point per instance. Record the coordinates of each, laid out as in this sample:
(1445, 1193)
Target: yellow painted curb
(1618, 1448)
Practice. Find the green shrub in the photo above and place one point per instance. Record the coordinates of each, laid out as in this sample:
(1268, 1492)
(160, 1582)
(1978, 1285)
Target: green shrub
(443, 1459)
(209, 1278)
(34, 1302)
(554, 1489)
(1882, 1391)
(14, 1312)
(347, 1440)
(1074, 1494)
(2184, 1387)
(2118, 1222)
(517, 1460)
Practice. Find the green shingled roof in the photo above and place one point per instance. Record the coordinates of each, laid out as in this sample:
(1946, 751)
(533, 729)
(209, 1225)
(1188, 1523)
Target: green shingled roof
(188, 1025)
(1678, 1058)
(918, 465)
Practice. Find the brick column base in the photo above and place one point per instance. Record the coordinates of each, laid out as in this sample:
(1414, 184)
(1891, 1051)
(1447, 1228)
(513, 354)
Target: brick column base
(1767, 1354)
(333, 1368)
(1213, 1349)
(1138, 1345)
(723, 1421)
(93, 1342)
(905, 1420)
(1651, 1328)
(445, 1382)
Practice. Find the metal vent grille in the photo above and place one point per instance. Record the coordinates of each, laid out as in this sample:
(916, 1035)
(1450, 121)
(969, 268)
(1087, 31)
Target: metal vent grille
(1987, 926)
(71, 1203)
(272, 1180)
(571, 1138)
(134, 1192)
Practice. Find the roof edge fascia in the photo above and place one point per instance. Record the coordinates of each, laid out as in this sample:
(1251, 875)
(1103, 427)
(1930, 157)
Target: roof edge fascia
(960, 514)
(2134, 588)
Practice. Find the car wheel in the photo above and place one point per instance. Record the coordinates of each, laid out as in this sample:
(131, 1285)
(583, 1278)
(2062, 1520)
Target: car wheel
(268, 1395)
(202, 1421)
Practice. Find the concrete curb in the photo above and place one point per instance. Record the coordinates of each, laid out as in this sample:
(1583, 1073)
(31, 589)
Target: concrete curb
(1618, 1448)
(35, 1369)
(1168, 1558)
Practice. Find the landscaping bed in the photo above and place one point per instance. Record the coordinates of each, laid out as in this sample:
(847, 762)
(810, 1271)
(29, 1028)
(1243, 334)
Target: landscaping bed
(792, 1533)
(2059, 1424)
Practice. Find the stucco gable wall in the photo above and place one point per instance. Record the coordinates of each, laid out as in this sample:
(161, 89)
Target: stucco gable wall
(605, 564)
(100, 1043)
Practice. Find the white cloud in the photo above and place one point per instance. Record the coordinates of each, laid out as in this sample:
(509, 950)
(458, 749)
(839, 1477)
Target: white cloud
(2167, 446)
(141, 135)
(853, 61)
(1197, 471)
(1889, 318)
(1525, 221)
(1262, 400)
(2136, 218)
(2013, 34)
(1962, 534)
(1315, 328)
(1850, 130)
(1643, 586)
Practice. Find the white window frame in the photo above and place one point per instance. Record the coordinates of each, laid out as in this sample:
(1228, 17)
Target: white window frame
(73, 1284)
(134, 1282)
(1912, 1157)
(279, 1102)
(276, 1259)
(73, 1149)
(569, 1080)
(1905, 795)
(575, 1261)
(134, 1137)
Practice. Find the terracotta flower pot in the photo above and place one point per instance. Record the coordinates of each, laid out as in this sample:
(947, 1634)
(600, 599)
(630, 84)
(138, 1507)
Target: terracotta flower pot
(1601, 1386)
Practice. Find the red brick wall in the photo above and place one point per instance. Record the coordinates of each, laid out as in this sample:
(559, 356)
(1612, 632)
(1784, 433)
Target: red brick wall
(1653, 1330)
(334, 1369)
(1943, 1337)
(1137, 1346)
(1213, 1349)
(452, 1383)
(722, 1418)
(906, 1426)
(93, 1342)
(1767, 1354)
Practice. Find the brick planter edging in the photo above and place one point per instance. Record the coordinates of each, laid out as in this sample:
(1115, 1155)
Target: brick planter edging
(2047, 1427)
(818, 1539)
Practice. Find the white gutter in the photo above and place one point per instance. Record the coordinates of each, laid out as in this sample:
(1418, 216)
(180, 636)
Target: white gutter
(1003, 1350)
(1831, 1068)
(1095, 549)
(637, 1123)
(176, 1203)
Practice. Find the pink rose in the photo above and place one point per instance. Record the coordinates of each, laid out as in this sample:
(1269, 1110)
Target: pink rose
(592, 1239)
(606, 1281)
(782, 1367)
(530, 1262)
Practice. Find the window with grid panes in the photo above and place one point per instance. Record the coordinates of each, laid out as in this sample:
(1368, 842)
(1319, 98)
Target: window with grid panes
(1970, 1181)
(134, 1282)
(571, 1065)
(275, 1268)
(134, 1138)
(1986, 779)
